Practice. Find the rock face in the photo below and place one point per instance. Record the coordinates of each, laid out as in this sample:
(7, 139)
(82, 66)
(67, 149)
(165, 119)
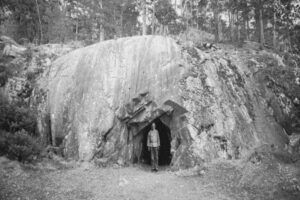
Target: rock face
(11, 48)
(103, 97)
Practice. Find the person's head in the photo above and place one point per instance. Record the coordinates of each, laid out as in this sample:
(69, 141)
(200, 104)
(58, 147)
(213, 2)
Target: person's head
(153, 126)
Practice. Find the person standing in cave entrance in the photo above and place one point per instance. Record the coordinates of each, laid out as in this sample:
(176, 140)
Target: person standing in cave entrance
(153, 143)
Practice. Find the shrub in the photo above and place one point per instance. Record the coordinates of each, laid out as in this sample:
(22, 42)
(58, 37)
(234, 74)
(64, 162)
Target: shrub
(19, 146)
(14, 118)
(3, 143)
(196, 36)
(17, 131)
(32, 75)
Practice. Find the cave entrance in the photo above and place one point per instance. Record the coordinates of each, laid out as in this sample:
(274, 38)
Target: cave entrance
(164, 155)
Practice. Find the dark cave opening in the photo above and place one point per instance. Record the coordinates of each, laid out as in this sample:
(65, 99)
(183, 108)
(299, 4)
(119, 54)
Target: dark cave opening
(165, 156)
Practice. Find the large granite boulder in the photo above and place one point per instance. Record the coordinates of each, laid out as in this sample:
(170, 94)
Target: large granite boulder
(103, 97)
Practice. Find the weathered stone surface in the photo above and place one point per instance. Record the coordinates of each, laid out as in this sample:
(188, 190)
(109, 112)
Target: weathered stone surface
(280, 88)
(11, 48)
(102, 96)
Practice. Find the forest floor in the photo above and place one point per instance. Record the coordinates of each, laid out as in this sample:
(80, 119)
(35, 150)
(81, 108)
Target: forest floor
(219, 180)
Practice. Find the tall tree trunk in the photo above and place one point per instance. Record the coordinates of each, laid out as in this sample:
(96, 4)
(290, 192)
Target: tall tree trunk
(63, 34)
(121, 21)
(197, 22)
(186, 16)
(261, 24)
(161, 29)
(76, 33)
(175, 2)
(238, 29)
(40, 21)
(144, 7)
(153, 19)
(231, 25)
(274, 30)
(102, 33)
(216, 19)
(289, 45)
(166, 30)
(116, 23)
(244, 30)
(220, 29)
(257, 26)
(247, 29)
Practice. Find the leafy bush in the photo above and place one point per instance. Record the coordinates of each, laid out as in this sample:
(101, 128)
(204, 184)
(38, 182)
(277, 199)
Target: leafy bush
(197, 36)
(32, 75)
(176, 27)
(3, 145)
(165, 13)
(19, 145)
(17, 132)
(14, 118)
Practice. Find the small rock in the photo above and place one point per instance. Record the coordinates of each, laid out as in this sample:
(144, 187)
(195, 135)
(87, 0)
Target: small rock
(47, 62)
(294, 180)
(297, 81)
(202, 172)
(123, 182)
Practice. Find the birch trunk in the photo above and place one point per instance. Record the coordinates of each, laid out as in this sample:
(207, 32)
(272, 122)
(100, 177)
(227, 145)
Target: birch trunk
(144, 31)
(102, 33)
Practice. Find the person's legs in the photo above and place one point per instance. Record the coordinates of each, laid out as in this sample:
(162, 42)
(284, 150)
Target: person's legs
(156, 158)
(152, 149)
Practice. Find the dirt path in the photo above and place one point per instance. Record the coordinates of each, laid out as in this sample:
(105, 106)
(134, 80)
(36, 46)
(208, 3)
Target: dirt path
(220, 182)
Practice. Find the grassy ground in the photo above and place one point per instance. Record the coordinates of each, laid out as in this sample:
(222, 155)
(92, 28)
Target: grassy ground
(218, 180)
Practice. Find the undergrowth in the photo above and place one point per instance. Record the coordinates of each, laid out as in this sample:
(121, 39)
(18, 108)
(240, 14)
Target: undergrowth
(18, 139)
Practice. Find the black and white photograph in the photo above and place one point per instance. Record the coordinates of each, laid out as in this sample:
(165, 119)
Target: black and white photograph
(149, 99)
